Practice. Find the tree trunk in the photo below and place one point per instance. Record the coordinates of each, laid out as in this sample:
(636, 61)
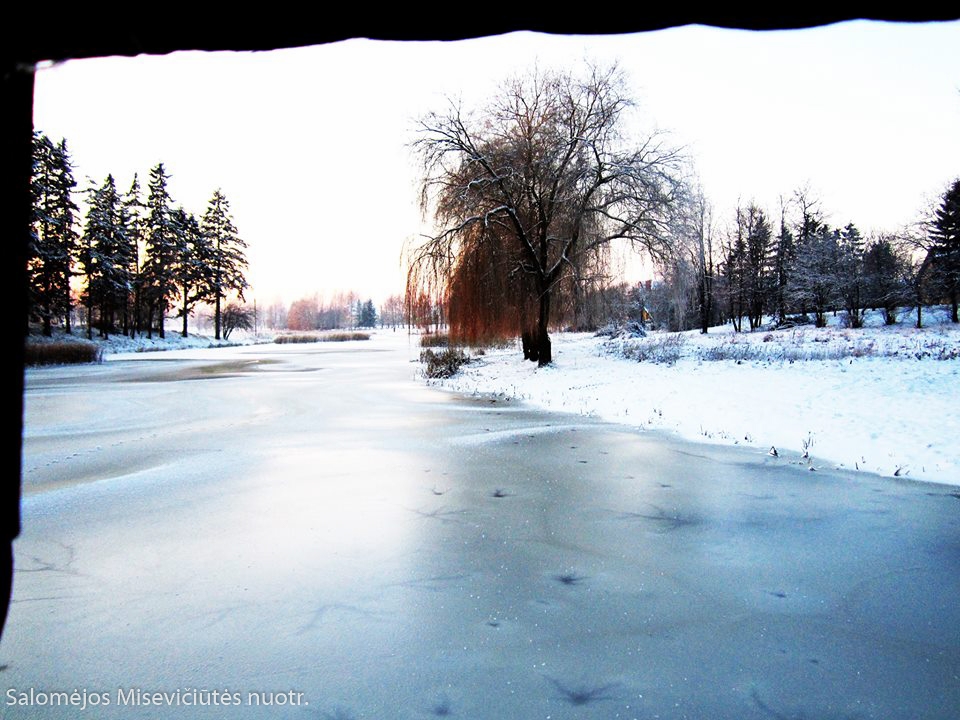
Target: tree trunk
(544, 351)
(216, 318)
(185, 312)
(66, 316)
(526, 342)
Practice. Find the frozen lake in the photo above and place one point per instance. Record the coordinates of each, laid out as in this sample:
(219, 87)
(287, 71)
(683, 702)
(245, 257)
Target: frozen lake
(307, 526)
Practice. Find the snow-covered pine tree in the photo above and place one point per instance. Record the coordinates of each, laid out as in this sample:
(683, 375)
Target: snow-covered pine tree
(104, 246)
(65, 220)
(53, 233)
(162, 251)
(193, 264)
(41, 278)
(812, 285)
(132, 215)
(850, 284)
(758, 264)
(228, 260)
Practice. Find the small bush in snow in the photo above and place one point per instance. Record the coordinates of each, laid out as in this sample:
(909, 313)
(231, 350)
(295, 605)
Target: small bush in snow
(660, 349)
(736, 351)
(291, 338)
(432, 340)
(340, 336)
(344, 336)
(443, 363)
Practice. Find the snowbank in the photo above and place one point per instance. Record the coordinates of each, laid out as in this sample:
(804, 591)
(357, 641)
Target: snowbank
(880, 399)
(121, 344)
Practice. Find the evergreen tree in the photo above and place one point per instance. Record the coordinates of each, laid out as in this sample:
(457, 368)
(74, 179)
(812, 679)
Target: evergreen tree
(945, 233)
(54, 235)
(784, 257)
(228, 262)
(162, 250)
(368, 315)
(65, 220)
(746, 268)
(757, 263)
(103, 257)
(807, 230)
(133, 220)
(194, 262)
(734, 276)
(43, 282)
(850, 284)
(812, 283)
(885, 270)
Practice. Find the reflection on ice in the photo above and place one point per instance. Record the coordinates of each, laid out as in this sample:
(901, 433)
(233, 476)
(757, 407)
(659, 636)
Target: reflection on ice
(493, 436)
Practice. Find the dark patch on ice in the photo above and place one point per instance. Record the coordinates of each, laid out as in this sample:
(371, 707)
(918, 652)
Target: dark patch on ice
(441, 514)
(434, 583)
(498, 493)
(664, 521)
(569, 578)
(206, 371)
(583, 694)
(777, 593)
(442, 707)
(778, 715)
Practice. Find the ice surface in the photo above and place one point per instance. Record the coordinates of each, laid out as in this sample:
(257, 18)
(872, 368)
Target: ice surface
(319, 522)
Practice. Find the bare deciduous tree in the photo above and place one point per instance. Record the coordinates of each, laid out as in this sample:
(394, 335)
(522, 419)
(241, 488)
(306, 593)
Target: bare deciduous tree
(528, 188)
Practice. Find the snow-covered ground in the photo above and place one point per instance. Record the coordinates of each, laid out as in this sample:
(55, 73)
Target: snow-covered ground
(878, 399)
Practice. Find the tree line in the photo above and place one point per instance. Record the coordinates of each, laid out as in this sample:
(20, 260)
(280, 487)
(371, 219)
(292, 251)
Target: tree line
(529, 191)
(140, 259)
(342, 310)
(799, 267)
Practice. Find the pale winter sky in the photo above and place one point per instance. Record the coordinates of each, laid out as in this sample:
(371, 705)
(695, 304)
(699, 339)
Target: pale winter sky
(311, 145)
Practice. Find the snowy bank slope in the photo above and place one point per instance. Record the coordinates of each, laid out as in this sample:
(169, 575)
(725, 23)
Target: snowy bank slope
(884, 405)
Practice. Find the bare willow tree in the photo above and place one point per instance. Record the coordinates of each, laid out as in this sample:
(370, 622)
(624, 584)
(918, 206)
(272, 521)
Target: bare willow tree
(525, 194)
